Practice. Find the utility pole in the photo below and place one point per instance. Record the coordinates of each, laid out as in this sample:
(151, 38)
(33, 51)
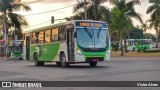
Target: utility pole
(85, 9)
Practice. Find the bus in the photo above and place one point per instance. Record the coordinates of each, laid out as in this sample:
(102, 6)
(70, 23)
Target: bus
(77, 41)
(139, 44)
(17, 49)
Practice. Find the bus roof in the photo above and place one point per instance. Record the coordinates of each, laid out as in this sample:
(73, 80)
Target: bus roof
(55, 25)
(45, 27)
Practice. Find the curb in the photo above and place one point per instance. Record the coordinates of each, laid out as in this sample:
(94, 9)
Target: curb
(4, 58)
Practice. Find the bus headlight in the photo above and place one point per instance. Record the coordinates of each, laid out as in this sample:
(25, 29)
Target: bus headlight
(79, 52)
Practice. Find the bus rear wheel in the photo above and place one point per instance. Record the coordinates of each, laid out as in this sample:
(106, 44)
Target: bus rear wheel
(92, 64)
(36, 62)
(20, 59)
(58, 63)
(134, 49)
(63, 61)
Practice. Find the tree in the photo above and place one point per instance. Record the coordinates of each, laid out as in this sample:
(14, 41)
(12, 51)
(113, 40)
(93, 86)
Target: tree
(8, 9)
(144, 27)
(95, 10)
(119, 24)
(159, 36)
(149, 36)
(12, 19)
(1, 24)
(136, 34)
(154, 10)
(127, 13)
(156, 25)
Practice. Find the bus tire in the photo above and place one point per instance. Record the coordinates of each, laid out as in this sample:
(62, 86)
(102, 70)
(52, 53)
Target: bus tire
(58, 63)
(63, 61)
(36, 62)
(20, 58)
(144, 49)
(92, 64)
(134, 49)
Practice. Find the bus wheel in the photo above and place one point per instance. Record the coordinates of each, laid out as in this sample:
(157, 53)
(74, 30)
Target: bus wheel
(20, 58)
(134, 49)
(58, 63)
(36, 62)
(63, 61)
(144, 49)
(92, 64)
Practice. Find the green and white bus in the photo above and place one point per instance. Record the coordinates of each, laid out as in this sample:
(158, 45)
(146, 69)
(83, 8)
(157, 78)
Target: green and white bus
(78, 41)
(17, 49)
(139, 44)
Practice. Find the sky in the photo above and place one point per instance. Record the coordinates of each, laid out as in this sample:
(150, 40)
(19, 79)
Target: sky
(40, 20)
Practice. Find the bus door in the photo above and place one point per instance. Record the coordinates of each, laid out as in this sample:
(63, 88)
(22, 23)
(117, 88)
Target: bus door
(27, 47)
(70, 44)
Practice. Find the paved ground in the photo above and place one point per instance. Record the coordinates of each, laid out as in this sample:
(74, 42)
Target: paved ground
(118, 69)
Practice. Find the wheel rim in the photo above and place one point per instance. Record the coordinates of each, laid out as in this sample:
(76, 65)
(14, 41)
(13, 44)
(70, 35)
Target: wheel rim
(35, 60)
(63, 60)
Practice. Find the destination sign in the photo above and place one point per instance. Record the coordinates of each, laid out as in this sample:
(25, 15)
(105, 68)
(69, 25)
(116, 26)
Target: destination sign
(87, 24)
(91, 24)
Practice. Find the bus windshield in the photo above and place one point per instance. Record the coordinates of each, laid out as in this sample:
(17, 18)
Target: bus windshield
(17, 45)
(92, 37)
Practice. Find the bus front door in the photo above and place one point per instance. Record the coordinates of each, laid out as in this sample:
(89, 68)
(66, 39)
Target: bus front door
(27, 47)
(70, 45)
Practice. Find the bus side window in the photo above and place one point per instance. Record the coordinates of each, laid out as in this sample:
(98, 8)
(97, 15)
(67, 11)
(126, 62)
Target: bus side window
(41, 37)
(34, 37)
(54, 36)
(24, 39)
(62, 34)
(47, 36)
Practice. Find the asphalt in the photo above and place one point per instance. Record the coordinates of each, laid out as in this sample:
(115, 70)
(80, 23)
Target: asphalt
(118, 69)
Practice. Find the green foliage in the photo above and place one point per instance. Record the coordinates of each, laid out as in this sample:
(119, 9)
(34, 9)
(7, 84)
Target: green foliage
(8, 9)
(152, 51)
(159, 36)
(1, 37)
(121, 18)
(95, 11)
(115, 46)
(154, 10)
(149, 36)
(136, 34)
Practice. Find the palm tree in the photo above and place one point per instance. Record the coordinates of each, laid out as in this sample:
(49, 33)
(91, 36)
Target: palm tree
(128, 12)
(1, 27)
(77, 16)
(119, 24)
(12, 19)
(156, 25)
(144, 27)
(154, 10)
(95, 10)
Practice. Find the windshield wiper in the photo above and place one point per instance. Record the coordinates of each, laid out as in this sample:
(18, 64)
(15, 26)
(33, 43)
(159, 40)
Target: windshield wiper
(89, 34)
(98, 33)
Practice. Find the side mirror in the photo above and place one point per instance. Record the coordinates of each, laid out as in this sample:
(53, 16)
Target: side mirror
(75, 34)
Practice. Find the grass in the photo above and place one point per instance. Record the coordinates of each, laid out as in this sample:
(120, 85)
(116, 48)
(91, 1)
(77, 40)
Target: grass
(135, 54)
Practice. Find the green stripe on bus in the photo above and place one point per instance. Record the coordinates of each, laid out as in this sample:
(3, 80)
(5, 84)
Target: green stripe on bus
(47, 52)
